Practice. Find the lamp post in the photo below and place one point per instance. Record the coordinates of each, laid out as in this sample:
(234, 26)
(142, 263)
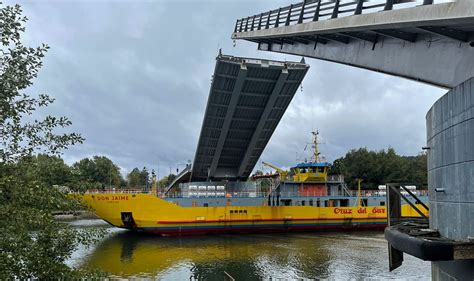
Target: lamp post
(185, 164)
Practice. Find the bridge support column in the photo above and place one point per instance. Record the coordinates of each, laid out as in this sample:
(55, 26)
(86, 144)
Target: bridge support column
(450, 136)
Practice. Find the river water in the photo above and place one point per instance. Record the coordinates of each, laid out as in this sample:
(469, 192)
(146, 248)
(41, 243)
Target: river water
(344, 255)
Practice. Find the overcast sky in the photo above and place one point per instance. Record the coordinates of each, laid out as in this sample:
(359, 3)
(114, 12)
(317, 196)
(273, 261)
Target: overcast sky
(134, 78)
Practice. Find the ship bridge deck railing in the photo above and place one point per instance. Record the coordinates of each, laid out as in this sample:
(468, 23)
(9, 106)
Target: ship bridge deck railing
(163, 194)
(382, 193)
(231, 194)
(214, 195)
(274, 186)
(335, 179)
(118, 191)
(317, 10)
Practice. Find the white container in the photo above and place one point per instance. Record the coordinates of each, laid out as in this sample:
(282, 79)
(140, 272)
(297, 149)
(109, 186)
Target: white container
(220, 194)
(211, 194)
(192, 187)
(201, 194)
(221, 187)
(202, 187)
(211, 187)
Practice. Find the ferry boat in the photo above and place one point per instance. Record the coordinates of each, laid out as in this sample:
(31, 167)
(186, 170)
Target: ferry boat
(305, 198)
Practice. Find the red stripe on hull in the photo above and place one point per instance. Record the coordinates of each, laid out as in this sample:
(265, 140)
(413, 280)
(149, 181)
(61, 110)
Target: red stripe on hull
(247, 230)
(261, 220)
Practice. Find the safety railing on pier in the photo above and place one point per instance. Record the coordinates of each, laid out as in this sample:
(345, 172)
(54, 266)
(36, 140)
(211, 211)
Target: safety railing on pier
(316, 10)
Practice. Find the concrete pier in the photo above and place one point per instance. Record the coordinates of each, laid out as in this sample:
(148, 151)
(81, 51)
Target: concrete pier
(450, 137)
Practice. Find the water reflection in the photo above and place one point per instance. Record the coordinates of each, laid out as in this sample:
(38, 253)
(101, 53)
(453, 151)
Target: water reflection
(250, 257)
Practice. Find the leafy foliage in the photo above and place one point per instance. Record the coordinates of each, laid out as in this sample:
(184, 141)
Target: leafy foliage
(49, 169)
(144, 178)
(165, 181)
(32, 243)
(99, 171)
(19, 66)
(133, 178)
(137, 178)
(380, 167)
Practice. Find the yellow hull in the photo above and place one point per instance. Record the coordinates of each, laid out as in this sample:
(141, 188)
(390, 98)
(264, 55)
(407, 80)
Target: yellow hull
(154, 214)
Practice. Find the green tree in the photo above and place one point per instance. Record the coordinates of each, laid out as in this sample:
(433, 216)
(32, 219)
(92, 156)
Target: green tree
(417, 170)
(380, 167)
(139, 179)
(99, 171)
(49, 169)
(144, 178)
(133, 178)
(165, 181)
(32, 244)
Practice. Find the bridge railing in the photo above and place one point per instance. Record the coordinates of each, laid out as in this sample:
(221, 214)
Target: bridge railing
(315, 10)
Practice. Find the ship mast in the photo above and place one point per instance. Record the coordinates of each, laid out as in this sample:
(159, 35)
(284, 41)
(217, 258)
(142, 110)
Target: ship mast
(315, 146)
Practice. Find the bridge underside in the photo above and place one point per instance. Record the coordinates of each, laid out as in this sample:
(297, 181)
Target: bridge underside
(433, 44)
(246, 102)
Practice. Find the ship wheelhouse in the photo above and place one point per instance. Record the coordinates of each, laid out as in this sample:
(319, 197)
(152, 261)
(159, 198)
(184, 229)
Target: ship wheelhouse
(310, 172)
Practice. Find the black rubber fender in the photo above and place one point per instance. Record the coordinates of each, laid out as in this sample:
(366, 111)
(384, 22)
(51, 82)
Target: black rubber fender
(422, 248)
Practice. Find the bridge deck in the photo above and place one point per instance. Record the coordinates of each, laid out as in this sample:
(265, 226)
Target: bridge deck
(428, 41)
(246, 102)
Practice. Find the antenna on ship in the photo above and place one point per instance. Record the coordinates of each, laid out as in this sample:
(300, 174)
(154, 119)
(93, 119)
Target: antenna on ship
(315, 146)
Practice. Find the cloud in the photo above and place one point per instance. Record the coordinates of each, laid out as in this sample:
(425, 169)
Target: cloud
(134, 77)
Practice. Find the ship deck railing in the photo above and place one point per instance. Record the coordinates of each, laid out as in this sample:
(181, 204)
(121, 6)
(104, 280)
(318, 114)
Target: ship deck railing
(118, 191)
(352, 193)
(382, 193)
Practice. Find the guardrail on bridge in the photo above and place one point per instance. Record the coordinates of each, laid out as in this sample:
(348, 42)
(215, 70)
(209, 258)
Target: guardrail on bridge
(315, 10)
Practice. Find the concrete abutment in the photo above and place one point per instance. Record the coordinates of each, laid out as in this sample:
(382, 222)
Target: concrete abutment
(450, 138)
